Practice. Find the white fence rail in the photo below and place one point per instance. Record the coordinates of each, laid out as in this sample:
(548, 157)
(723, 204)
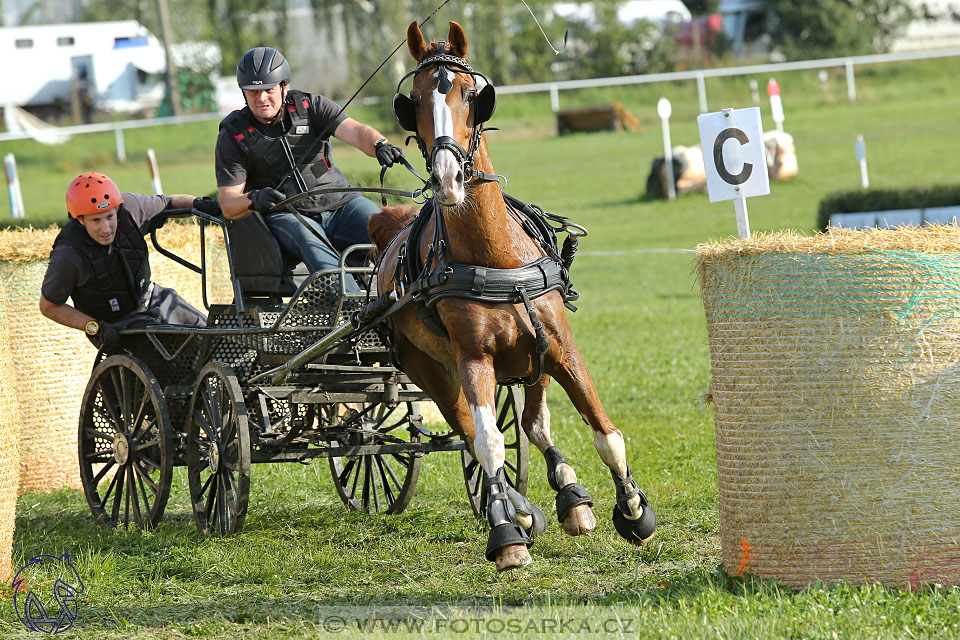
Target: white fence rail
(554, 88)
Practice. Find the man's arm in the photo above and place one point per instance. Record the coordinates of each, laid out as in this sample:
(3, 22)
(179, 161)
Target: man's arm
(64, 314)
(234, 202)
(361, 136)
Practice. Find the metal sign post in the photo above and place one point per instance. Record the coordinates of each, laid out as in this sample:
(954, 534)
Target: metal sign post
(664, 110)
(860, 149)
(734, 158)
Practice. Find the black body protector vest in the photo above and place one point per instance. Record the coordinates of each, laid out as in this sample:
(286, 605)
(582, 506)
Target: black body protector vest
(121, 271)
(269, 159)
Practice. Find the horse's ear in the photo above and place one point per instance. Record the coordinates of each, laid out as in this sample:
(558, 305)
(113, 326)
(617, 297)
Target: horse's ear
(458, 40)
(416, 43)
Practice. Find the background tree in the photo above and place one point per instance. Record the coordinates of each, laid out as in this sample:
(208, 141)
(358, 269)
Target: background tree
(829, 28)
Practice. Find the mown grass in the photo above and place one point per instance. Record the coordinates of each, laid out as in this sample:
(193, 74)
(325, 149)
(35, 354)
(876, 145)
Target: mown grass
(641, 328)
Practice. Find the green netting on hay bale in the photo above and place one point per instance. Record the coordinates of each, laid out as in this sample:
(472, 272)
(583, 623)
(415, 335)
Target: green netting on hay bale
(836, 383)
(9, 445)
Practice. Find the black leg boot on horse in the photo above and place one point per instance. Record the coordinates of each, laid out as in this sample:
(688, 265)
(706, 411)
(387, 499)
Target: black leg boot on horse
(508, 542)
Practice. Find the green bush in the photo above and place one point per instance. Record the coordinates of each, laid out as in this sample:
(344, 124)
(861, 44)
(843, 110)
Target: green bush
(862, 201)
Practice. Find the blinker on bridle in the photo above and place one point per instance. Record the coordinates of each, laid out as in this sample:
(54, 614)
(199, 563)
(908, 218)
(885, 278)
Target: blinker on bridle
(484, 104)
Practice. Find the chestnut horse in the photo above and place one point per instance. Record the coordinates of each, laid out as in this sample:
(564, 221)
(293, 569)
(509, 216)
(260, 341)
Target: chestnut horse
(486, 342)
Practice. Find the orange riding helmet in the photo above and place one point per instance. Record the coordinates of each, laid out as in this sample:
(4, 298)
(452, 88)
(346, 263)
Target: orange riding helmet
(92, 193)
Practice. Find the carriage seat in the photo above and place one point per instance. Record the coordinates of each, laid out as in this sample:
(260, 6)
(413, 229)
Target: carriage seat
(262, 267)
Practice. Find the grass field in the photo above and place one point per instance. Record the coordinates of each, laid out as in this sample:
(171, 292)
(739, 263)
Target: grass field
(303, 561)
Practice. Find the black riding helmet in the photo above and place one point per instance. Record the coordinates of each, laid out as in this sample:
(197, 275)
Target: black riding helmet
(262, 68)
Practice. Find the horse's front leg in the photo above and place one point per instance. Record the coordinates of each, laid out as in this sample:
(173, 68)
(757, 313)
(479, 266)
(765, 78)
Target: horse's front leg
(508, 542)
(573, 502)
(633, 517)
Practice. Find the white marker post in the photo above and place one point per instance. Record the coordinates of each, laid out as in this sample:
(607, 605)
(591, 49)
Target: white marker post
(776, 106)
(860, 149)
(755, 92)
(664, 110)
(13, 186)
(734, 158)
(154, 171)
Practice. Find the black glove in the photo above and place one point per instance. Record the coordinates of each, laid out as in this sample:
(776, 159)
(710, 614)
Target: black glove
(387, 154)
(107, 337)
(263, 200)
(208, 206)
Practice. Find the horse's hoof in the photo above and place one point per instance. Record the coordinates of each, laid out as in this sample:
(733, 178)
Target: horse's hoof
(529, 516)
(579, 520)
(513, 557)
(639, 531)
(569, 498)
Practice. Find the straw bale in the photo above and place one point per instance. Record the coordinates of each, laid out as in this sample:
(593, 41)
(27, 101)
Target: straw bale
(836, 383)
(51, 366)
(52, 363)
(9, 445)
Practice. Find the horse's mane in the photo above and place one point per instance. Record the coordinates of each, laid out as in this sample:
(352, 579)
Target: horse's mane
(385, 225)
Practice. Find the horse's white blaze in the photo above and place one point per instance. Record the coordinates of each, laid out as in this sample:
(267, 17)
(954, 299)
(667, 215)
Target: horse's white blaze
(613, 453)
(539, 435)
(445, 165)
(488, 441)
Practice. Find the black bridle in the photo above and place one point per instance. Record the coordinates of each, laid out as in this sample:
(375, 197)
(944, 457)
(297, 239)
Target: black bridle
(483, 104)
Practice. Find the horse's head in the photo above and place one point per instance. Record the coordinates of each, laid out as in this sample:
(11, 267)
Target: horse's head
(445, 109)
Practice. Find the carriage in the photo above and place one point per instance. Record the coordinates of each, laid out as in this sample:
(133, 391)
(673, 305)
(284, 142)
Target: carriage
(202, 397)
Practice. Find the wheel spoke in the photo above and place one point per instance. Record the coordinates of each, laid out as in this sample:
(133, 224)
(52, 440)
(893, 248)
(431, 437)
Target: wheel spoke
(126, 501)
(201, 420)
(145, 477)
(143, 491)
(203, 488)
(155, 442)
(149, 461)
(211, 498)
(138, 415)
(403, 459)
(106, 409)
(109, 465)
(385, 470)
(132, 495)
(117, 496)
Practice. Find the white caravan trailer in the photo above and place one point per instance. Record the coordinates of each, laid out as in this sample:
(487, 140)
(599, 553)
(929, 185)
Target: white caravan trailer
(116, 66)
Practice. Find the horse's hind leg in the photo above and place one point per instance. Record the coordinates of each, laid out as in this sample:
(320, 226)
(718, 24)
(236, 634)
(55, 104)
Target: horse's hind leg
(573, 501)
(633, 518)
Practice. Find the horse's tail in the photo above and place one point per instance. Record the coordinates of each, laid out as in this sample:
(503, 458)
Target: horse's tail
(385, 225)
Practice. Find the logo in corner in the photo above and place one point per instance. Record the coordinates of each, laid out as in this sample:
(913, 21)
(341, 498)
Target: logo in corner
(45, 593)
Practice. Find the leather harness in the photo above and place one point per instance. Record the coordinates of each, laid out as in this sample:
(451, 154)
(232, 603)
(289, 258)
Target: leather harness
(425, 286)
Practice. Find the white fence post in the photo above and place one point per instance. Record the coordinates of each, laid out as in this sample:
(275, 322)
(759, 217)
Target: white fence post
(851, 82)
(154, 172)
(13, 187)
(121, 147)
(702, 92)
(554, 98)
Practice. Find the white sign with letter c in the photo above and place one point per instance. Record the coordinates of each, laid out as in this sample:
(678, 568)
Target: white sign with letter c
(734, 155)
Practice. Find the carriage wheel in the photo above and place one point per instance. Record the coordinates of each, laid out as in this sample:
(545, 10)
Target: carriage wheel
(509, 402)
(218, 452)
(379, 483)
(125, 444)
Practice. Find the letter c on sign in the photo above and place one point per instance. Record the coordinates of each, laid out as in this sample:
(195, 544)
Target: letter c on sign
(740, 137)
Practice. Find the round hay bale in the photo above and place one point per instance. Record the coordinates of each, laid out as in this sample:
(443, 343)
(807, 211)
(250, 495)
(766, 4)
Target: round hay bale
(51, 366)
(9, 445)
(836, 384)
(52, 363)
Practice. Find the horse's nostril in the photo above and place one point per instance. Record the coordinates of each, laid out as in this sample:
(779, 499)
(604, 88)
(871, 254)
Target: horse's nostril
(460, 178)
